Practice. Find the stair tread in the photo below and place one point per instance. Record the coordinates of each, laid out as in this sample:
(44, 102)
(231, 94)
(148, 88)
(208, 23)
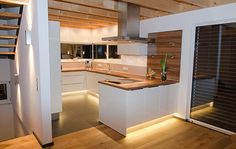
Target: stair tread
(8, 5)
(7, 45)
(9, 15)
(7, 37)
(8, 27)
(7, 53)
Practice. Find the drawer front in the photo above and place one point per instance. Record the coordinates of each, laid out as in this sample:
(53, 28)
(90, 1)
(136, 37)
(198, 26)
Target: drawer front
(72, 87)
(73, 79)
(76, 73)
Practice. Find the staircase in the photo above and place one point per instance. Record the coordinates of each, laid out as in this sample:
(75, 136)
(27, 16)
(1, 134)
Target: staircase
(10, 19)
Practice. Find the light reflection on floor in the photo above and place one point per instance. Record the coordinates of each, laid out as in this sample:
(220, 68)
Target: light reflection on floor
(10, 125)
(79, 111)
(216, 117)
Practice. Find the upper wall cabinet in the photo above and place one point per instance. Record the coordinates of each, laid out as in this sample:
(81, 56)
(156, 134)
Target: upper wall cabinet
(165, 43)
(132, 48)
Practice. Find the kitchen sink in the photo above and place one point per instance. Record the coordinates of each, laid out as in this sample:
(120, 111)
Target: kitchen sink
(122, 81)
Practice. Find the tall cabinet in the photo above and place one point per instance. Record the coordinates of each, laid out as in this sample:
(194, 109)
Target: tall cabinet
(55, 66)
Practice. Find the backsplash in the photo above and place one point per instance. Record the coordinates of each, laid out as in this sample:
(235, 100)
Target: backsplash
(134, 60)
(130, 69)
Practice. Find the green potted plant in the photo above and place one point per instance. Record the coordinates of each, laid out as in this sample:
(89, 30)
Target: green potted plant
(163, 63)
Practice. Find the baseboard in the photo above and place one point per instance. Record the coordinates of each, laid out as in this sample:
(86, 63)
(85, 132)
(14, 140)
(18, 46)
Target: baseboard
(47, 145)
(43, 145)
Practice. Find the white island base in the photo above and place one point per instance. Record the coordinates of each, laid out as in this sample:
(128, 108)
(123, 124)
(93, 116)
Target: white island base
(121, 109)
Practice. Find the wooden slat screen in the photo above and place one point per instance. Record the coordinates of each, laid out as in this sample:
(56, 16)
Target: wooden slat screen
(214, 76)
(165, 42)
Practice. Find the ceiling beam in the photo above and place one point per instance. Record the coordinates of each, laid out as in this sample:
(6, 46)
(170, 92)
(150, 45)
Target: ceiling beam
(150, 13)
(168, 6)
(78, 21)
(221, 2)
(101, 4)
(21, 2)
(81, 9)
(199, 3)
(76, 15)
(77, 25)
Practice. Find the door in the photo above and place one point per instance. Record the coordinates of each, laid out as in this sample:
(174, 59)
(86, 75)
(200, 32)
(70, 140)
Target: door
(214, 76)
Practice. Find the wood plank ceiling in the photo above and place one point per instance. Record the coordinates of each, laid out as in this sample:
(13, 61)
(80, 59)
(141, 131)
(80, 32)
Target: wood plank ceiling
(91, 14)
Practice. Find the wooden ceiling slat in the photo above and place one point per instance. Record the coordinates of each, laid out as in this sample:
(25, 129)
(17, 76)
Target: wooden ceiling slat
(76, 23)
(70, 25)
(81, 9)
(199, 3)
(169, 6)
(80, 16)
(150, 13)
(221, 2)
(101, 4)
(81, 21)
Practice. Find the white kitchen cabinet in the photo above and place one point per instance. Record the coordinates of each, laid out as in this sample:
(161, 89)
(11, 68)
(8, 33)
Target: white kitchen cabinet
(121, 109)
(132, 48)
(93, 78)
(92, 81)
(83, 80)
(73, 81)
(55, 67)
(112, 109)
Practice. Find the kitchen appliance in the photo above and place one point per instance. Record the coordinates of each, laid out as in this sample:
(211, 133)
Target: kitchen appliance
(128, 24)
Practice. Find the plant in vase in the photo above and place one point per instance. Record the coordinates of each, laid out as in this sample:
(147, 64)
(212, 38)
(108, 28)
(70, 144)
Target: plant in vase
(163, 63)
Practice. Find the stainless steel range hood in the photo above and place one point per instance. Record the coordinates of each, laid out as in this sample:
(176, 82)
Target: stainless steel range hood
(128, 24)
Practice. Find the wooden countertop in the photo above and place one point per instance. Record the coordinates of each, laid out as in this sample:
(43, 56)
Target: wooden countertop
(139, 85)
(140, 82)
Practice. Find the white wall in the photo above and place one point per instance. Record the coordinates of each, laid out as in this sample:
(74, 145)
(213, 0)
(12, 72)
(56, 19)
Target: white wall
(31, 97)
(7, 122)
(5, 70)
(187, 22)
(74, 35)
(98, 34)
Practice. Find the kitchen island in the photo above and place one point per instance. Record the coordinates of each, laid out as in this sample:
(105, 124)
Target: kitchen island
(125, 105)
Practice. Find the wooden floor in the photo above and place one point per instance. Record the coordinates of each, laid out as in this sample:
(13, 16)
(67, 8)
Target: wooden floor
(170, 134)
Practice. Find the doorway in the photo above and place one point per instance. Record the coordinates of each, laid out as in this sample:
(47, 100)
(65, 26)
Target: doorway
(213, 90)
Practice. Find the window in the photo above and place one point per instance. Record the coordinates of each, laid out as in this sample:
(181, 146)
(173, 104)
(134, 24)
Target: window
(113, 51)
(87, 51)
(80, 51)
(213, 91)
(100, 52)
(3, 92)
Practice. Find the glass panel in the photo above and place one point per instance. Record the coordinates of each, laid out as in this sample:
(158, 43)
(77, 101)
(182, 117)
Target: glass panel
(214, 85)
(87, 51)
(113, 51)
(100, 51)
(79, 51)
(3, 91)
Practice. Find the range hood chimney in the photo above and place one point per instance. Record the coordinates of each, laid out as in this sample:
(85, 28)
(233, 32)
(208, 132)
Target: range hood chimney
(128, 24)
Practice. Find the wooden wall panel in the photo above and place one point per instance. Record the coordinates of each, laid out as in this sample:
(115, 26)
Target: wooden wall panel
(165, 42)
